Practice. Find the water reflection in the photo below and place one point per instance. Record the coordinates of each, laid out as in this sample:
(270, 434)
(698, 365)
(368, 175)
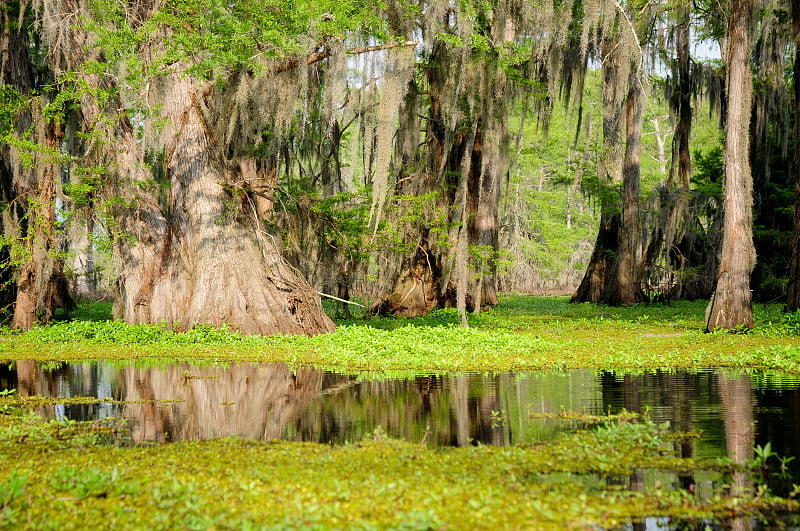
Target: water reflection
(273, 401)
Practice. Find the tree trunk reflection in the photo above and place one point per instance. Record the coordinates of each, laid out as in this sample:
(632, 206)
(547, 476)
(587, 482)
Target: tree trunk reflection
(736, 394)
(187, 403)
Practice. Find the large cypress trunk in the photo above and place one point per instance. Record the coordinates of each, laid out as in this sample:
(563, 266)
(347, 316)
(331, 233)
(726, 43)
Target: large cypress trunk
(188, 238)
(731, 305)
(206, 257)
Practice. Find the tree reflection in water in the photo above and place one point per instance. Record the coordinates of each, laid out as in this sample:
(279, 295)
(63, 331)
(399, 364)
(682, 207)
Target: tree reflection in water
(736, 394)
(275, 401)
(250, 401)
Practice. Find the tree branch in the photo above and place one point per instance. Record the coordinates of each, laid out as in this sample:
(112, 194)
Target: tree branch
(325, 53)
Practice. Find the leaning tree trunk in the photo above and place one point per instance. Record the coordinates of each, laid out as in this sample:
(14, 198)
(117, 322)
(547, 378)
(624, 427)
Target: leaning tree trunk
(731, 304)
(208, 259)
(793, 289)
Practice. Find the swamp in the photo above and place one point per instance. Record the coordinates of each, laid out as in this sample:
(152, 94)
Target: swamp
(541, 415)
(282, 264)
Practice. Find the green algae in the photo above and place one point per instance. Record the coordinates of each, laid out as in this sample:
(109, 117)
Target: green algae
(52, 479)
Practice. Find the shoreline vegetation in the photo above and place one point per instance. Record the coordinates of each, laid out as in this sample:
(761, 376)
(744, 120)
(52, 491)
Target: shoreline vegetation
(522, 333)
(611, 471)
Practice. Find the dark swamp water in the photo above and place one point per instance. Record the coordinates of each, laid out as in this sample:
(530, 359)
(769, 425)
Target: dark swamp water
(274, 401)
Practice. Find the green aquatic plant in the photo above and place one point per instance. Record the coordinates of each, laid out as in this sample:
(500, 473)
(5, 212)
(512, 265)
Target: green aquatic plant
(523, 333)
(12, 499)
(582, 479)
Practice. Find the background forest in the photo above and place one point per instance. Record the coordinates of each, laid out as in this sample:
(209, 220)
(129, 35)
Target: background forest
(231, 162)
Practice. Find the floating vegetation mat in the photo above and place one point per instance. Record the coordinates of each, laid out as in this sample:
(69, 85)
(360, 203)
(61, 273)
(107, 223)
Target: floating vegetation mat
(612, 471)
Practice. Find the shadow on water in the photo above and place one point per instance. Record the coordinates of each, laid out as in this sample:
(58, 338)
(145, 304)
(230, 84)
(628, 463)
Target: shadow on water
(734, 412)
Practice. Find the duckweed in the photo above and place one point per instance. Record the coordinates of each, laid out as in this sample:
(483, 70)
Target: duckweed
(56, 480)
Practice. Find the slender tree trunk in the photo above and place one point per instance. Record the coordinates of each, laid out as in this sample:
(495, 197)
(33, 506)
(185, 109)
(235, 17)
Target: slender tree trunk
(731, 305)
(483, 225)
(84, 274)
(793, 289)
(682, 103)
(609, 169)
(37, 278)
(624, 284)
(30, 177)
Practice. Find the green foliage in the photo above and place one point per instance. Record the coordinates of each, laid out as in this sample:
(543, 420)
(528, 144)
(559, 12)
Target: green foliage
(10, 103)
(12, 499)
(708, 172)
(485, 259)
(344, 218)
(92, 482)
(785, 324)
(121, 333)
(217, 38)
(409, 214)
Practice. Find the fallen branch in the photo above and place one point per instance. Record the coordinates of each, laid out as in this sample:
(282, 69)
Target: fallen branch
(340, 300)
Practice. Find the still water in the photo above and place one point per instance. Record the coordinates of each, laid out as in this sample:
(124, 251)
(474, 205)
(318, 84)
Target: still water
(733, 412)
(274, 401)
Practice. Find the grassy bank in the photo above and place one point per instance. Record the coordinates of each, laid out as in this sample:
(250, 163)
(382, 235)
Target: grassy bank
(523, 333)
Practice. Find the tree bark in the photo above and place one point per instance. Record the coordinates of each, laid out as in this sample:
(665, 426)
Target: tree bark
(609, 169)
(29, 186)
(793, 288)
(731, 304)
(623, 286)
(461, 174)
(671, 243)
(207, 258)
(681, 103)
(197, 253)
(40, 283)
